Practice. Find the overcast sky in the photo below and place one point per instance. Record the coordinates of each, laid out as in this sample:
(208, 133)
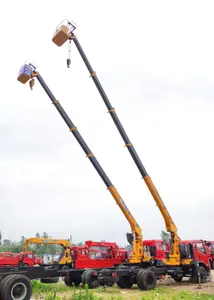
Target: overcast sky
(155, 62)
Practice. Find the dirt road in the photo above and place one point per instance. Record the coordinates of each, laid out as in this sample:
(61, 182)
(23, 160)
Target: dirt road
(207, 288)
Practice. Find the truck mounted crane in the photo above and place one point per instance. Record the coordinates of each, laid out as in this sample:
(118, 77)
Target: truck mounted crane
(66, 257)
(15, 281)
(141, 268)
(28, 72)
(65, 32)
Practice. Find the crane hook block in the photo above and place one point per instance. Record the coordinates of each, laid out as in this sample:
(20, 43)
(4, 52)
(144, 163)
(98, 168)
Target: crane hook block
(68, 62)
(32, 82)
(25, 73)
(61, 35)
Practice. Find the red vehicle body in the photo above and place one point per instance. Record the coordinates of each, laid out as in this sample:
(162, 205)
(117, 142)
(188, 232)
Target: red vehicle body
(17, 259)
(157, 248)
(98, 255)
(104, 254)
(29, 259)
(210, 252)
(197, 250)
(9, 259)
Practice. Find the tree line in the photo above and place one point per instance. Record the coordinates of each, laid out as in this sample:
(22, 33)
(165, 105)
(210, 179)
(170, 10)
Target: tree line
(7, 245)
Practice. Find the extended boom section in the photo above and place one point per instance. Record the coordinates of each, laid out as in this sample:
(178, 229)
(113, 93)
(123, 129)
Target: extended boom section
(28, 72)
(65, 33)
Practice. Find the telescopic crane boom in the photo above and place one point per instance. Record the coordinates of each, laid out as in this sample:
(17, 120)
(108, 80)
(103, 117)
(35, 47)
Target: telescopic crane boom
(28, 72)
(65, 32)
(66, 257)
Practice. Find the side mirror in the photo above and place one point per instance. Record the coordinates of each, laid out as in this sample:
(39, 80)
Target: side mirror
(129, 237)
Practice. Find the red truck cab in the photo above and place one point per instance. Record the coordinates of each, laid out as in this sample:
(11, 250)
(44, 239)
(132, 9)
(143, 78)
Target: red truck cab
(209, 245)
(197, 251)
(29, 259)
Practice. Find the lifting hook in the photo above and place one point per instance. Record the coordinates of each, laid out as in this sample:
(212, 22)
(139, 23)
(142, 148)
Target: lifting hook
(31, 83)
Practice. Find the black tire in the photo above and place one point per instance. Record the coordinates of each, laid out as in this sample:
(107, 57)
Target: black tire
(125, 282)
(177, 278)
(1, 286)
(83, 276)
(139, 279)
(4, 283)
(203, 275)
(17, 287)
(69, 281)
(149, 280)
(91, 280)
(146, 280)
(77, 281)
(50, 280)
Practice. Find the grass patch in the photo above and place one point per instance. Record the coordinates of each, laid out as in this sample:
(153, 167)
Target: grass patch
(59, 291)
(43, 288)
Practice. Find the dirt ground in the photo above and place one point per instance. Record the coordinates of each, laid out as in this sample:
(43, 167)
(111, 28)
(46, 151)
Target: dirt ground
(164, 290)
(207, 288)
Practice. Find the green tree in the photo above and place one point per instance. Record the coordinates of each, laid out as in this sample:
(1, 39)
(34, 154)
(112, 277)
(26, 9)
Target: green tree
(165, 236)
(22, 240)
(0, 238)
(7, 242)
(80, 244)
(45, 235)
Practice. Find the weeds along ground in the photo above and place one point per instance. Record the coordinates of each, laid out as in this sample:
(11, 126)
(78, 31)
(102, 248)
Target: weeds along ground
(59, 291)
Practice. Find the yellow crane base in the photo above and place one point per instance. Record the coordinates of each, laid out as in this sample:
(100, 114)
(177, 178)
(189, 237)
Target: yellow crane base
(61, 36)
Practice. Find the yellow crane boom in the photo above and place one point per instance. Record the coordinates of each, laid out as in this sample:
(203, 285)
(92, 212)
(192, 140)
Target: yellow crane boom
(65, 32)
(66, 257)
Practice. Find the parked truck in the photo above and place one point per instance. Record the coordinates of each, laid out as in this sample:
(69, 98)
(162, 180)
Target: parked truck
(19, 259)
(178, 261)
(142, 268)
(209, 246)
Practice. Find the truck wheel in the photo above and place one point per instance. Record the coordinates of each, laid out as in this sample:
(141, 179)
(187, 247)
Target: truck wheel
(146, 280)
(17, 287)
(177, 278)
(69, 281)
(139, 279)
(91, 280)
(50, 280)
(203, 275)
(125, 282)
(149, 280)
(4, 283)
(77, 281)
(83, 276)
